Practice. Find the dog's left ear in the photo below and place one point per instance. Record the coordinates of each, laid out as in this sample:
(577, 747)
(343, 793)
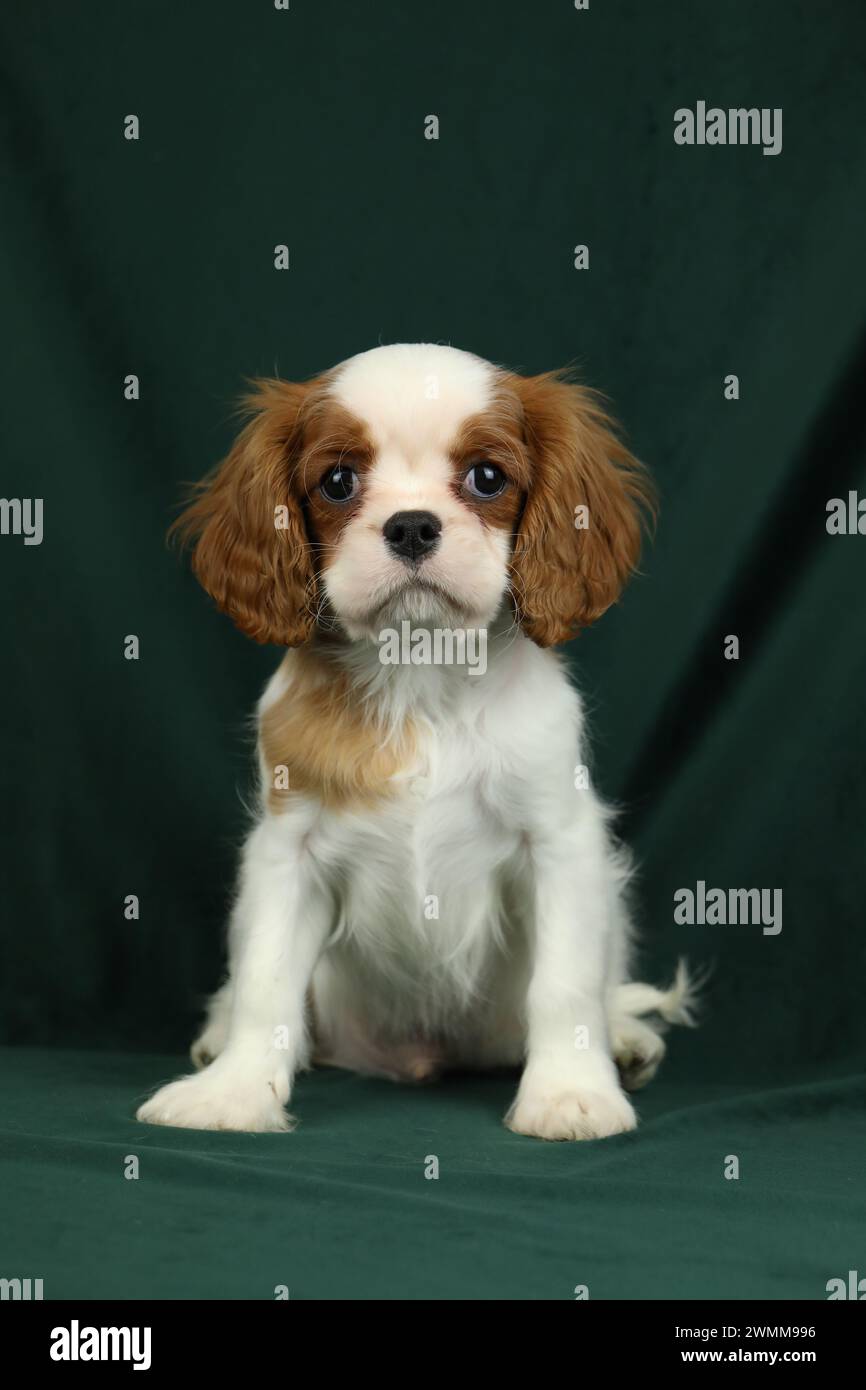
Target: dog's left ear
(246, 526)
(579, 537)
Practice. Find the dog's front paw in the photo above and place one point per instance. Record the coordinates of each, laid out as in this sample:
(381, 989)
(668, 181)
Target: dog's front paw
(575, 1113)
(218, 1100)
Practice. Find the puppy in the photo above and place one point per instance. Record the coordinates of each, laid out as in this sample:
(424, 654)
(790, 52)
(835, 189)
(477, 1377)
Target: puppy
(430, 882)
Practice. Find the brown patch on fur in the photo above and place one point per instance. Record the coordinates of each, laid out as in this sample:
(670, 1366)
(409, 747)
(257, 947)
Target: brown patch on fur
(321, 731)
(494, 436)
(563, 578)
(333, 437)
(248, 520)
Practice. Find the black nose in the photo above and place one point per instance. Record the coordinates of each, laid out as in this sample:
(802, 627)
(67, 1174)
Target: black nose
(412, 535)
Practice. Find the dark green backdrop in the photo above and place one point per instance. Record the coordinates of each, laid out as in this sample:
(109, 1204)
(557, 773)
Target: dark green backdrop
(155, 257)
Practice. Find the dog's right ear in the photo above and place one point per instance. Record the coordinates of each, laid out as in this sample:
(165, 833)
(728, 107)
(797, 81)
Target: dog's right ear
(564, 577)
(250, 546)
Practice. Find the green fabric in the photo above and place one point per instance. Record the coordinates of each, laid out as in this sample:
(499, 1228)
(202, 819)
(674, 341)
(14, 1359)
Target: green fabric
(155, 257)
(341, 1208)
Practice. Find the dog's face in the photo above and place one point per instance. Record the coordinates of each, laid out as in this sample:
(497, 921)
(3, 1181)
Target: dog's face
(419, 482)
(416, 510)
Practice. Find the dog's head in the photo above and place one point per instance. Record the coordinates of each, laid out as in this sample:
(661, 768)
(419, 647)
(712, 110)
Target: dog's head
(419, 482)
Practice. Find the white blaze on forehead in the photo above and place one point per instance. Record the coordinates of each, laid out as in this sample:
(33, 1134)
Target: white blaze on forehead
(414, 397)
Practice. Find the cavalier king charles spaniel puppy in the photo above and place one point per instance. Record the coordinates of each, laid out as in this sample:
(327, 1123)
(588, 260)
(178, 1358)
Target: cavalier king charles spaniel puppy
(431, 882)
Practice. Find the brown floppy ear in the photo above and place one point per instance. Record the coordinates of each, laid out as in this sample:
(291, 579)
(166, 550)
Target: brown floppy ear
(580, 533)
(250, 544)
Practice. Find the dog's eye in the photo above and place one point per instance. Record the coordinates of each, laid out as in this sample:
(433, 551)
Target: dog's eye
(340, 485)
(485, 480)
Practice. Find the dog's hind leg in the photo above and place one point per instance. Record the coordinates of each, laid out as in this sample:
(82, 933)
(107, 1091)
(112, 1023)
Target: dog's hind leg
(212, 1038)
(638, 1047)
(638, 1050)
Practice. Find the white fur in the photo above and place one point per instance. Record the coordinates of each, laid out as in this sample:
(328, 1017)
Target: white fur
(413, 399)
(526, 957)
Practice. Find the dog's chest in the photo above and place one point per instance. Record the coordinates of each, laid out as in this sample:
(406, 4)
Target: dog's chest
(422, 874)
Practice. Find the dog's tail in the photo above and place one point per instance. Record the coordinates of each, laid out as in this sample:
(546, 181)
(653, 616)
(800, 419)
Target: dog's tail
(677, 1004)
